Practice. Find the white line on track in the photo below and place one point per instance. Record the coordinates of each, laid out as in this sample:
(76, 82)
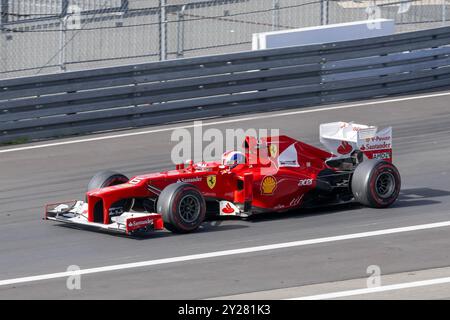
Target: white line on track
(226, 253)
(349, 293)
(265, 116)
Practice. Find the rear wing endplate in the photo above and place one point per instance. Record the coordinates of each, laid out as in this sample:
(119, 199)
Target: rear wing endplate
(342, 139)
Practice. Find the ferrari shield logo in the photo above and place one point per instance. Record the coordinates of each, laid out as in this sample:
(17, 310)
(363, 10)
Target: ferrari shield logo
(211, 181)
(273, 150)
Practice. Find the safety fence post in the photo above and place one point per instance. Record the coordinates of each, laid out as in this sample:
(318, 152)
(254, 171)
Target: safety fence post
(275, 14)
(324, 17)
(162, 30)
(180, 32)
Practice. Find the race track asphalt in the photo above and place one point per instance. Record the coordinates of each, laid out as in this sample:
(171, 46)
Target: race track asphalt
(31, 178)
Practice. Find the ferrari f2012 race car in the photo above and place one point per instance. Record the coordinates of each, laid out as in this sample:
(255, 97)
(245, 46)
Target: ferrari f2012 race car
(272, 174)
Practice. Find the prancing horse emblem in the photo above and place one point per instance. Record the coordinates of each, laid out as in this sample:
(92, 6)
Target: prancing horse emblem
(211, 180)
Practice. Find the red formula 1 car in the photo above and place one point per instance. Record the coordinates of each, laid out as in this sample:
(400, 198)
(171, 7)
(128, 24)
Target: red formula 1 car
(273, 174)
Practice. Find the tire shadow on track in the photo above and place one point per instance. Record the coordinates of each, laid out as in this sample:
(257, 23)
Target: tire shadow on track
(210, 225)
(419, 197)
(408, 198)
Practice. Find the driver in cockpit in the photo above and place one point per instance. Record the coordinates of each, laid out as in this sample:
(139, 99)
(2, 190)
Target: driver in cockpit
(233, 158)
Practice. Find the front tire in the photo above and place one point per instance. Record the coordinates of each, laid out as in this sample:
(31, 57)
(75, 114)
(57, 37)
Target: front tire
(182, 207)
(109, 178)
(105, 179)
(376, 183)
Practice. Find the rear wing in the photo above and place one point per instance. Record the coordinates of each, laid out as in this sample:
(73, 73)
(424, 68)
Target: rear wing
(342, 139)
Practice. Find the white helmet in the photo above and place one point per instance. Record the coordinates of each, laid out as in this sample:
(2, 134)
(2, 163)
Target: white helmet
(233, 158)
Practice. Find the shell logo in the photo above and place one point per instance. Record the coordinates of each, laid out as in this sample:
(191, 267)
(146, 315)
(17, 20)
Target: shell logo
(268, 185)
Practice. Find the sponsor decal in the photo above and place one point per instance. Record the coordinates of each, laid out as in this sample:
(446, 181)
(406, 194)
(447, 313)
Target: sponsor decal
(288, 163)
(268, 185)
(375, 146)
(227, 208)
(188, 180)
(211, 181)
(135, 181)
(134, 223)
(381, 141)
(344, 148)
(296, 201)
(116, 211)
(354, 127)
(382, 155)
(273, 150)
(289, 157)
(305, 182)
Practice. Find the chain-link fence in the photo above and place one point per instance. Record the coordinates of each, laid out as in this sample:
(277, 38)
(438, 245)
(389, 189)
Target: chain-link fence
(44, 36)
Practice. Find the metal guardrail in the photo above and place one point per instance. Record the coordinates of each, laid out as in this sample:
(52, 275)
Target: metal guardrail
(160, 92)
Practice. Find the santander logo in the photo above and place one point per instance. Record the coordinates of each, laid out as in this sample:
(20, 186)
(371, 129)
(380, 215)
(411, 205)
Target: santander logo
(228, 209)
(344, 148)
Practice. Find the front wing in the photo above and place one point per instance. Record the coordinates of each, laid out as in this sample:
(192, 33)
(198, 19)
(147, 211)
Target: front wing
(75, 213)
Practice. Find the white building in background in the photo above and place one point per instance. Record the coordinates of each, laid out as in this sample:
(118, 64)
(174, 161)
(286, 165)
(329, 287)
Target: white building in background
(323, 34)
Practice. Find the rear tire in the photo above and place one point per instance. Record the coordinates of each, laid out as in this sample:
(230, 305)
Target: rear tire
(182, 207)
(376, 183)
